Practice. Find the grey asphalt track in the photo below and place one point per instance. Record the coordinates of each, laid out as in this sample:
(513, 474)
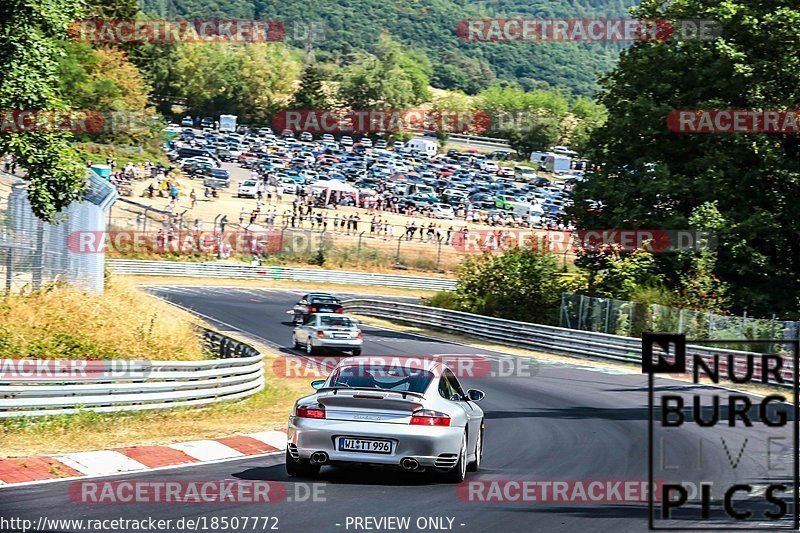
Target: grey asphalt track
(556, 422)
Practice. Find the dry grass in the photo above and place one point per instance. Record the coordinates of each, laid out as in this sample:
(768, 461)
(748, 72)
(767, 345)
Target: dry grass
(123, 322)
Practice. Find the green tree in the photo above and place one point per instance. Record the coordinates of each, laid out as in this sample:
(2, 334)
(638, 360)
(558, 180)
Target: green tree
(652, 177)
(521, 284)
(102, 79)
(30, 47)
(390, 79)
(700, 287)
(310, 94)
(627, 273)
(251, 81)
(529, 120)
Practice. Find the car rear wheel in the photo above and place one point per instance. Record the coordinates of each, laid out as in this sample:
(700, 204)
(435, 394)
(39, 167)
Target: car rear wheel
(357, 352)
(475, 465)
(298, 468)
(458, 472)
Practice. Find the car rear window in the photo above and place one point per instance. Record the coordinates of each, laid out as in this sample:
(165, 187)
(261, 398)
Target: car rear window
(386, 377)
(339, 321)
(324, 301)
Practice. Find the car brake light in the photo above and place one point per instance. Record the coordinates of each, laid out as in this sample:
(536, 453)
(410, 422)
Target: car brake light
(313, 410)
(429, 417)
(340, 310)
(321, 334)
(359, 335)
(312, 309)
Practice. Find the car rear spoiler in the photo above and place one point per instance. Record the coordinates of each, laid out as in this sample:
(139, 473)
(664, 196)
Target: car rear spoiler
(404, 393)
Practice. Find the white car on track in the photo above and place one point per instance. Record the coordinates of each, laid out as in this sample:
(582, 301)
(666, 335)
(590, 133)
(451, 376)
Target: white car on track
(414, 416)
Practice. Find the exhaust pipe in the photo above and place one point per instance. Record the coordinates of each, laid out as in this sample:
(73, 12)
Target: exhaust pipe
(319, 458)
(409, 463)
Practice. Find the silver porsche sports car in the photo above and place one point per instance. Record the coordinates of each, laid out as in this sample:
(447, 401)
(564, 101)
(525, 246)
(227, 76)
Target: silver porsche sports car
(414, 416)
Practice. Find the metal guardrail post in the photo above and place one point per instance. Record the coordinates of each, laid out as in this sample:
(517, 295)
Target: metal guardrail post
(397, 257)
(10, 268)
(38, 257)
(358, 251)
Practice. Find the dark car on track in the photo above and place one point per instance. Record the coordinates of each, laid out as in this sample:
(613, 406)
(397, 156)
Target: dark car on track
(316, 303)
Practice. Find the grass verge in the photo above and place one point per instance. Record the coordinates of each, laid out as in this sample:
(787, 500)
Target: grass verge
(59, 321)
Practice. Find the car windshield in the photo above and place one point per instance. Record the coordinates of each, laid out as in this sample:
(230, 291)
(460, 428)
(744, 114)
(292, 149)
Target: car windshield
(337, 321)
(386, 377)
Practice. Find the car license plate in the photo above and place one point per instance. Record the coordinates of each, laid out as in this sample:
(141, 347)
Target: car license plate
(348, 444)
(341, 335)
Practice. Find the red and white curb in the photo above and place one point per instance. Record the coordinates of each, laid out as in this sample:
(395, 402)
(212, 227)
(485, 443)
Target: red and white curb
(137, 458)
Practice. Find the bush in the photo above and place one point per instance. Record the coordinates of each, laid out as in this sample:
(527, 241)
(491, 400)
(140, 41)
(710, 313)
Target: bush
(518, 285)
(445, 300)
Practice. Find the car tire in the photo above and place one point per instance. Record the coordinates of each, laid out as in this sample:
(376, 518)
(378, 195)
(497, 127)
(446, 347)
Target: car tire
(298, 468)
(356, 352)
(475, 465)
(459, 471)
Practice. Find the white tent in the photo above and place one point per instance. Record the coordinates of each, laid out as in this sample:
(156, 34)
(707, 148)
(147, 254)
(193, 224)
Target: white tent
(330, 186)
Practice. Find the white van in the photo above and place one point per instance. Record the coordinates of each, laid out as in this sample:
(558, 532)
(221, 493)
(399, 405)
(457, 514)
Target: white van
(557, 163)
(539, 158)
(427, 147)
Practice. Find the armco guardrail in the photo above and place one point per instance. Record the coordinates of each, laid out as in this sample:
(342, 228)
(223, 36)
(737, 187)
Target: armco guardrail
(548, 339)
(232, 270)
(141, 385)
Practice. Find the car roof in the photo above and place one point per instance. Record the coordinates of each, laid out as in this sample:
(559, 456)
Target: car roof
(418, 363)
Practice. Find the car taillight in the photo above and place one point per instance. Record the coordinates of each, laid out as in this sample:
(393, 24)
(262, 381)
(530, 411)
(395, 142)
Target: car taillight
(312, 309)
(359, 335)
(313, 410)
(428, 417)
(321, 334)
(340, 310)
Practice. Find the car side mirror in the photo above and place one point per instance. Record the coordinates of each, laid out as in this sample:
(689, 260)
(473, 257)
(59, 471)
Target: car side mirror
(317, 384)
(475, 395)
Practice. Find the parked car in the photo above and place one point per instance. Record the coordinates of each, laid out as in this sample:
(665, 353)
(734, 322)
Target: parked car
(328, 331)
(187, 122)
(346, 141)
(217, 178)
(248, 188)
(306, 137)
(443, 211)
(381, 144)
